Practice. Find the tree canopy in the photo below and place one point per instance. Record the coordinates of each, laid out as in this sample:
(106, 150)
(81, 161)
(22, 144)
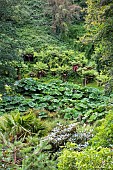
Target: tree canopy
(99, 22)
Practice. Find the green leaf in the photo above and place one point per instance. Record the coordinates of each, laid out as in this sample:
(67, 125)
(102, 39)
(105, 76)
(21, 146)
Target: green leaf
(31, 104)
(77, 96)
(67, 116)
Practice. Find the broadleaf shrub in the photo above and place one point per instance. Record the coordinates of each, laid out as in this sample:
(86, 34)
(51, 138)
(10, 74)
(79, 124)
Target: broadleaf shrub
(103, 135)
(68, 100)
(90, 159)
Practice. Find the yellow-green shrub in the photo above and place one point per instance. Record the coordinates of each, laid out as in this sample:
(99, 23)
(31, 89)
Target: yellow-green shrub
(104, 133)
(90, 159)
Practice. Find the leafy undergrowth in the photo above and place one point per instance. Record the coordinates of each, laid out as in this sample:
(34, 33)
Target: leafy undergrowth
(30, 137)
(103, 133)
(61, 99)
(25, 143)
(88, 159)
(19, 138)
(99, 153)
(20, 143)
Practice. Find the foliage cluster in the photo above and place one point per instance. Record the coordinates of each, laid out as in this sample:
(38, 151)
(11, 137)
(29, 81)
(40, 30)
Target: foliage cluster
(87, 159)
(19, 126)
(20, 144)
(99, 21)
(33, 37)
(57, 61)
(103, 136)
(63, 14)
(69, 101)
(22, 148)
(98, 155)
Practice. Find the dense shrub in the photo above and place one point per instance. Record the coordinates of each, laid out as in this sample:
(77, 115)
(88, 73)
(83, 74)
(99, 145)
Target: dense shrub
(98, 156)
(32, 155)
(16, 126)
(104, 133)
(90, 159)
(68, 100)
(19, 143)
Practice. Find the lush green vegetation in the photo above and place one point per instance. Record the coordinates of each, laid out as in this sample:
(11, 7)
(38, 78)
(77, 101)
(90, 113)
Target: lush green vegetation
(68, 100)
(88, 159)
(97, 156)
(56, 84)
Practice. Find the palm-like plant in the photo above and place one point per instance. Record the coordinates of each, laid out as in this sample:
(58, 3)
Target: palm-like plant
(18, 126)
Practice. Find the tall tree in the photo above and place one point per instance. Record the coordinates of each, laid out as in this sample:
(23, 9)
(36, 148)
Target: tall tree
(99, 22)
(63, 12)
(10, 15)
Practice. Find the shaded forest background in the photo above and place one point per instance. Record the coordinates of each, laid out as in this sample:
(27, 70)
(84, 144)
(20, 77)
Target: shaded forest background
(51, 36)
